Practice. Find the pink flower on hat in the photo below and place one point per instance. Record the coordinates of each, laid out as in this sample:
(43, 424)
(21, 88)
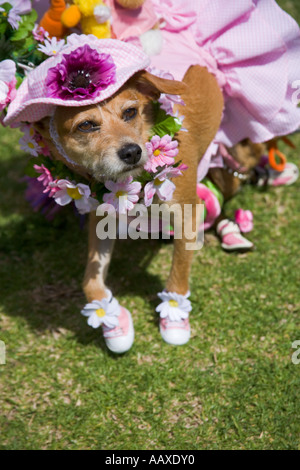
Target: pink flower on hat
(81, 74)
(244, 219)
(39, 33)
(161, 152)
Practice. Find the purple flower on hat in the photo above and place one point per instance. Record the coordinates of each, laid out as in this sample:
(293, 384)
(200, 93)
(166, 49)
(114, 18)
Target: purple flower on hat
(81, 74)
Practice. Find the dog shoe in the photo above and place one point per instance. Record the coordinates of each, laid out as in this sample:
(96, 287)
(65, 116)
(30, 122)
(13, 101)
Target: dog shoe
(116, 322)
(231, 237)
(120, 338)
(286, 177)
(266, 176)
(174, 318)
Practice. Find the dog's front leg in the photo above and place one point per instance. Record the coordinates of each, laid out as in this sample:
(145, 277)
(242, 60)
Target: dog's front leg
(175, 306)
(99, 256)
(103, 309)
(178, 280)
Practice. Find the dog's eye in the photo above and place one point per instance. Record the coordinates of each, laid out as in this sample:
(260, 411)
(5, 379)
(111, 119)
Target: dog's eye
(88, 126)
(129, 114)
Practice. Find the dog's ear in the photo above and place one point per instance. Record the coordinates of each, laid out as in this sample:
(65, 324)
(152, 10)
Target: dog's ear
(42, 127)
(153, 86)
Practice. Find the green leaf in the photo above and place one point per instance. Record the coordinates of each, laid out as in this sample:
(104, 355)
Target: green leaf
(99, 189)
(20, 33)
(29, 170)
(164, 123)
(3, 26)
(144, 178)
(25, 27)
(19, 80)
(31, 17)
(7, 7)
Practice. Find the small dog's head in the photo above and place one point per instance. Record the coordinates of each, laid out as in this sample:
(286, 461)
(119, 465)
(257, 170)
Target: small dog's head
(107, 140)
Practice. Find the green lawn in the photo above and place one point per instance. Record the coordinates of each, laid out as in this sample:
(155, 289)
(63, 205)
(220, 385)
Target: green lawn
(233, 386)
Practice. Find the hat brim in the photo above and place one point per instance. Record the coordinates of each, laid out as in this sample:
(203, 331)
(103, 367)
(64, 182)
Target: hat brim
(32, 104)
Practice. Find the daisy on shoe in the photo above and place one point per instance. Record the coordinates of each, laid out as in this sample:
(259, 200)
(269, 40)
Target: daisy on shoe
(174, 317)
(174, 306)
(102, 312)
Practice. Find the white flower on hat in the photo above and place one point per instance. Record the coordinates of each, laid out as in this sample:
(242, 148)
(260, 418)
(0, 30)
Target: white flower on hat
(174, 306)
(105, 311)
(51, 46)
(80, 193)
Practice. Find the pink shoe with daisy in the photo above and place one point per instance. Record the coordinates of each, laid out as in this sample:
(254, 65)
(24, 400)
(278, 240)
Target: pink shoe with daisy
(174, 317)
(116, 322)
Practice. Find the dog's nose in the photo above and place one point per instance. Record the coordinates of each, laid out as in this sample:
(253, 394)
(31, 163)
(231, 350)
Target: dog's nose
(130, 153)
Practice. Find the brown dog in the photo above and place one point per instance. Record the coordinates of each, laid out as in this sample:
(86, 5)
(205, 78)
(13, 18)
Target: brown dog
(107, 141)
(95, 136)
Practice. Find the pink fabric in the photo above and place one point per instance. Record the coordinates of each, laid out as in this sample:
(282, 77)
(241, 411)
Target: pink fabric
(232, 239)
(167, 324)
(281, 181)
(129, 23)
(32, 104)
(251, 48)
(244, 219)
(123, 327)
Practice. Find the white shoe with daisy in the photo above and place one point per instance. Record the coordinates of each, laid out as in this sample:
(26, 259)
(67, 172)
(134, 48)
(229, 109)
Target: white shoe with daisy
(174, 317)
(116, 322)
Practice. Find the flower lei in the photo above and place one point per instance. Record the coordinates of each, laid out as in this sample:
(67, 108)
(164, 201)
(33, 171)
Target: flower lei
(65, 186)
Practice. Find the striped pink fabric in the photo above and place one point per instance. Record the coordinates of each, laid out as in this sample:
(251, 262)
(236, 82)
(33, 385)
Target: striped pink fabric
(32, 104)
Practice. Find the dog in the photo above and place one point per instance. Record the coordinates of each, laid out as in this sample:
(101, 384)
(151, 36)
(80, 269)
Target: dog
(91, 104)
(105, 140)
(97, 138)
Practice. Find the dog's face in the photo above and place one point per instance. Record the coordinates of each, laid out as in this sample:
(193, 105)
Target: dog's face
(107, 140)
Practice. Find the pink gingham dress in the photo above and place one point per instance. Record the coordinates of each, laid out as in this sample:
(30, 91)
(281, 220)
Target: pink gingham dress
(253, 49)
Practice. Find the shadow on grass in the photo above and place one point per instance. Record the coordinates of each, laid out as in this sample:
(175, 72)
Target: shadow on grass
(42, 263)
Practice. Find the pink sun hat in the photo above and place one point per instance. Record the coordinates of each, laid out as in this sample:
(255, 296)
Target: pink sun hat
(109, 64)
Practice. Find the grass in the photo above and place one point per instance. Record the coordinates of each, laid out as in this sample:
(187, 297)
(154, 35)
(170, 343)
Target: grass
(233, 386)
